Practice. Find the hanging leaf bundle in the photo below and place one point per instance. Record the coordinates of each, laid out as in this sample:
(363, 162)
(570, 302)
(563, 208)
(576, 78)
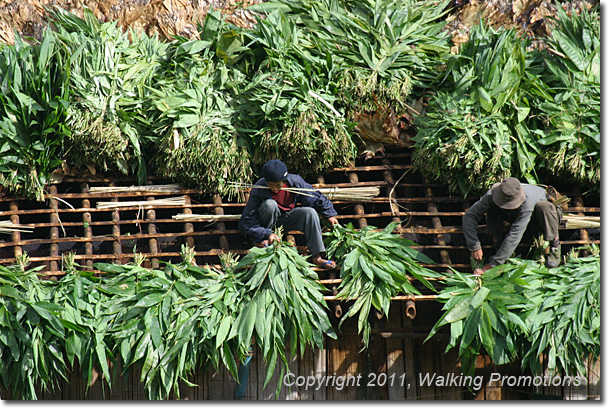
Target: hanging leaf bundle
(483, 314)
(31, 334)
(479, 128)
(80, 301)
(563, 316)
(383, 48)
(521, 310)
(109, 71)
(34, 97)
(375, 266)
(166, 322)
(193, 115)
(282, 305)
(573, 70)
(288, 108)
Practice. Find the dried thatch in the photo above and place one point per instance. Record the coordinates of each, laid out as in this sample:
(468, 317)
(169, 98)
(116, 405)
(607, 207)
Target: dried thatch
(163, 17)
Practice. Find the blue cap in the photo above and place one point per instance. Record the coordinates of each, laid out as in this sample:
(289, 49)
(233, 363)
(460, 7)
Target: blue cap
(275, 171)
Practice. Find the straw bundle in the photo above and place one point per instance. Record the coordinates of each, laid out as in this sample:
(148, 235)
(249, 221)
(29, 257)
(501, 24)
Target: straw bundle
(175, 201)
(350, 194)
(169, 188)
(581, 222)
(9, 227)
(206, 218)
(333, 193)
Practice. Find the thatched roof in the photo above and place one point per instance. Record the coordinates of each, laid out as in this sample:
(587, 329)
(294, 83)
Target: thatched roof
(163, 17)
(180, 17)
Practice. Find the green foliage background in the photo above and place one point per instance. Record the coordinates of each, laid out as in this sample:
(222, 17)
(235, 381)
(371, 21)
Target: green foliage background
(212, 110)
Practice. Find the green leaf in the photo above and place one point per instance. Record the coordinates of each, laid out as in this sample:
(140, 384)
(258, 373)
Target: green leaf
(223, 331)
(479, 297)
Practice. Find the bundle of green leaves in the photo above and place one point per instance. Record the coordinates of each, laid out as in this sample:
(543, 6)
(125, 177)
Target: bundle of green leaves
(478, 128)
(375, 265)
(289, 109)
(193, 113)
(383, 49)
(34, 97)
(521, 310)
(563, 315)
(81, 302)
(571, 142)
(109, 71)
(483, 313)
(165, 322)
(32, 333)
(281, 305)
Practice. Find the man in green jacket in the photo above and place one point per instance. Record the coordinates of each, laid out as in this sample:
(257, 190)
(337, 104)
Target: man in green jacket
(524, 207)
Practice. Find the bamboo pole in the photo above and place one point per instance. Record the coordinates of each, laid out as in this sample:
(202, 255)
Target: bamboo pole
(153, 248)
(219, 211)
(54, 232)
(188, 226)
(87, 228)
(156, 189)
(15, 235)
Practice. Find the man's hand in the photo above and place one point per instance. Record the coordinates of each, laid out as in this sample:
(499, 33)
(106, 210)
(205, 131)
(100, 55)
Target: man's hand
(268, 241)
(477, 255)
(333, 221)
(480, 271)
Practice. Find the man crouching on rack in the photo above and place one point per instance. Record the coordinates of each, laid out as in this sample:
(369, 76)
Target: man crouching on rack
(272, 203)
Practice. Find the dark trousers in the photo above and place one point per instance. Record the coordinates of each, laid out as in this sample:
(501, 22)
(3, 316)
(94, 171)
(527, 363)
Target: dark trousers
(302, 219)
(546, 218)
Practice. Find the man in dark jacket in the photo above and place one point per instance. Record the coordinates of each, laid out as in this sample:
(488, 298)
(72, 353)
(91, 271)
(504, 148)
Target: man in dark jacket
(270, 206)
(525, 207)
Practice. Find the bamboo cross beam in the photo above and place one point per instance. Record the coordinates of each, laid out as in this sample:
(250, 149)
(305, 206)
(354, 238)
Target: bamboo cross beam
(416, 298)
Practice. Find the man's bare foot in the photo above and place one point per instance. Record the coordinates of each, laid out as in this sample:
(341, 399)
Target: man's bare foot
(323, 263)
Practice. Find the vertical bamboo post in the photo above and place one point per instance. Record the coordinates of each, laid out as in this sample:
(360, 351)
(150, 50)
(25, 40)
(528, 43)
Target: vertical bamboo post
(153, 248)
(188, 226)
(411, 386)
(584, 235)
(436, 224)
(218, 210)
(54, 234)
(15, 235)
(358, 208)
(117, 249)
(87, 229)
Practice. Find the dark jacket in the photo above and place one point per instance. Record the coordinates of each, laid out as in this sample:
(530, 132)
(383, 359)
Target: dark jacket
(250, 224)
(523, 214)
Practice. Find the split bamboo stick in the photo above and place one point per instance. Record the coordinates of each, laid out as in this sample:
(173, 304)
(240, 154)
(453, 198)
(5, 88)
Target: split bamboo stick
(159, 189)
(175, 201)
